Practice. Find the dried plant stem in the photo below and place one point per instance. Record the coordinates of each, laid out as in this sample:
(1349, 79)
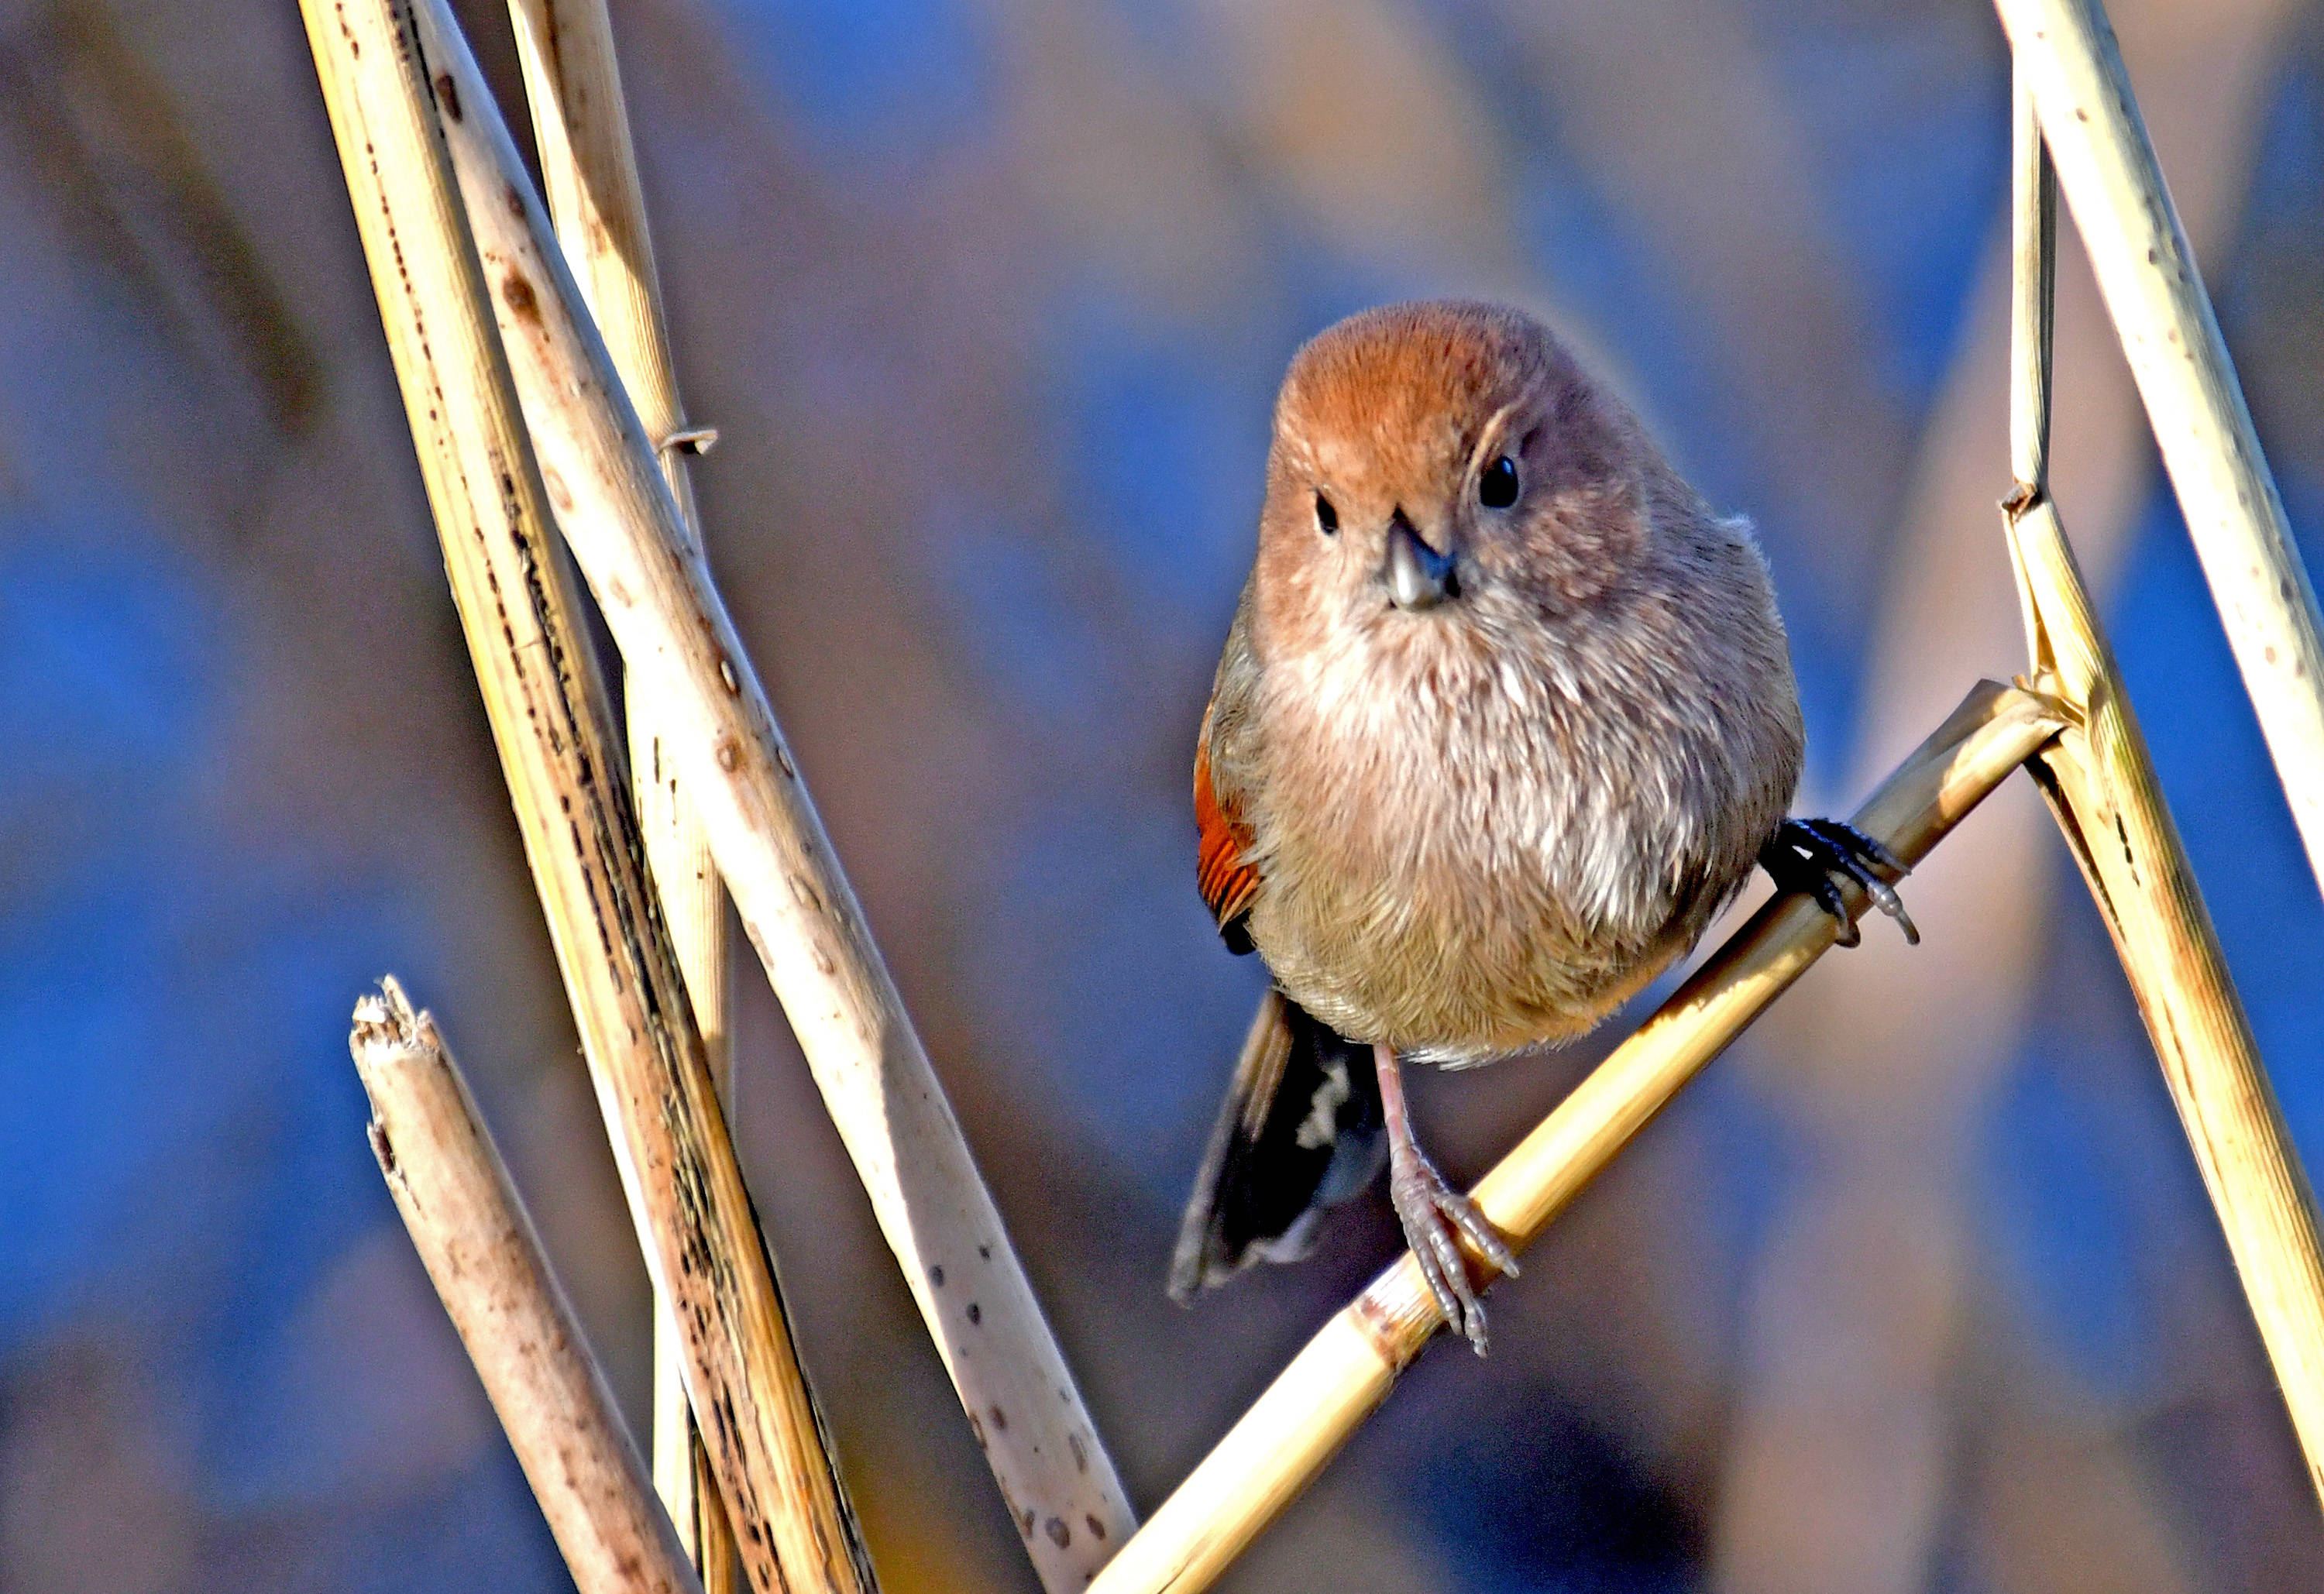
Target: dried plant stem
(480, 1249)
(1346, 1370)
(2102, 785)
(2067, 57)
(793, 897)
(589, 169)
(559, 749)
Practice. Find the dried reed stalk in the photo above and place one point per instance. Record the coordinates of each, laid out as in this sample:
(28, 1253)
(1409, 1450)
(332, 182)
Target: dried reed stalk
(560, 753)
(589, 171)
(2066, 56)
(2102, 785)
(1346, 1370)
(486, 1263)
(679, 645)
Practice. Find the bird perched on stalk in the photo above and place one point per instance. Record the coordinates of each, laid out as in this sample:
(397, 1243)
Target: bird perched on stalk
(1505, 718)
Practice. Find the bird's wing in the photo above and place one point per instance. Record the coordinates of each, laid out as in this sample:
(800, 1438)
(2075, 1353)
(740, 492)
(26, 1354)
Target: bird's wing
(1224, 768)
(1228, 881)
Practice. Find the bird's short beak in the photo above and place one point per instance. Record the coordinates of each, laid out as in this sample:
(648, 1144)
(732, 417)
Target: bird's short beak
(1418, 577)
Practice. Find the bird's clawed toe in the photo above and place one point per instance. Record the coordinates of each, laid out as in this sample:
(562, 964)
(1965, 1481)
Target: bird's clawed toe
(1436, 1217)
(1811, 856)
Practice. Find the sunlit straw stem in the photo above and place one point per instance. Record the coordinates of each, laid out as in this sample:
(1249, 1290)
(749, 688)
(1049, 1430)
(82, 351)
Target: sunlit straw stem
(481, 1252)
(560, 753)
(2067, 58)
(589, 171)
(680, 644)
(2102, 785)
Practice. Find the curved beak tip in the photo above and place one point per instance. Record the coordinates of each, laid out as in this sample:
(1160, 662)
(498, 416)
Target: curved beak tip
(1418, 577)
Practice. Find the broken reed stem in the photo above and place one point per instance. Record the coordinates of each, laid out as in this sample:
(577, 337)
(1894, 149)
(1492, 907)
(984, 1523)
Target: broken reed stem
(552, 723)
(2102, 785)
(589, 170)
(679, 645)
(1348, 1369)
(486, 1263)
(2066, 56)
(2032, 321)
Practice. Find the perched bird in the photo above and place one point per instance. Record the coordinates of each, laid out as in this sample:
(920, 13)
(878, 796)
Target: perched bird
(1505, 718)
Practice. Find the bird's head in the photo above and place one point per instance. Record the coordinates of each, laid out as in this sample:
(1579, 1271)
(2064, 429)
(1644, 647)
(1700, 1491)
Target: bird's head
(1442, 473)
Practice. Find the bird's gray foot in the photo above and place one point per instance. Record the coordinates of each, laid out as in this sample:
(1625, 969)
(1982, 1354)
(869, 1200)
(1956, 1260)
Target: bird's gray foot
(1436, 1216)
(1811, 856)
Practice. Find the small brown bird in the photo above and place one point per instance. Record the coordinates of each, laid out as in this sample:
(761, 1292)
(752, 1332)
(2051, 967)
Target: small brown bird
(1505, 719)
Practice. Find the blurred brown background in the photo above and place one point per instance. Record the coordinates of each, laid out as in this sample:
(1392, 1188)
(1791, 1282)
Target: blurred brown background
(1917, 1290)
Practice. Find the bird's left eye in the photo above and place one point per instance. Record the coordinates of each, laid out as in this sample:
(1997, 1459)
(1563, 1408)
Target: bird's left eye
(1498, 487)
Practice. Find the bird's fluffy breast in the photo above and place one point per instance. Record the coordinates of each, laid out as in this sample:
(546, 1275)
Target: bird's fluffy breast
(1473, 842)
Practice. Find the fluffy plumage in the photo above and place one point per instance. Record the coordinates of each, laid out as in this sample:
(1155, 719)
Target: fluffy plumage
(1475, 812)
(1482, 826)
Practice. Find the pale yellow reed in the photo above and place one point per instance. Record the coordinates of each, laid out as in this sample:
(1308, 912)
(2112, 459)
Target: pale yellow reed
(486, 1261)
(678, 644)
(2067, 61)
(2101, 784)
(552, 723)
(589, 171)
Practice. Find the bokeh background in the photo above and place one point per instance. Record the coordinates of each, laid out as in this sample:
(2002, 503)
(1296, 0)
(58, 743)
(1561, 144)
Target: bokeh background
(1915, 1290)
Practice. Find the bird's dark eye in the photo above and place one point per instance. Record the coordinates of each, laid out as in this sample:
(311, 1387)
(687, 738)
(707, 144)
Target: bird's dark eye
(1498, 488)
(1326, 517)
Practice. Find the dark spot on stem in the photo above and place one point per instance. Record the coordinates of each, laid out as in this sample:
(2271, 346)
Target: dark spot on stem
(1059, 1534)
(521, 300)
(975, 1312)
(1097, 1528)
(448, 95)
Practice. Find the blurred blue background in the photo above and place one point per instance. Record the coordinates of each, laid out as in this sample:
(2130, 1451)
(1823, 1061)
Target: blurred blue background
(1915, 1290)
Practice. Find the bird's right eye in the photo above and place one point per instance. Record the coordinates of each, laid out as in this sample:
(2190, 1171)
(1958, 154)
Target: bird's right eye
(1327, 518)
(1498, 489)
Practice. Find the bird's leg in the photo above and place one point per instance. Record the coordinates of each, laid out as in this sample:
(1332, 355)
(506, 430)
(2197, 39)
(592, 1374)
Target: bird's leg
(1811, 856)
(1435, 1215)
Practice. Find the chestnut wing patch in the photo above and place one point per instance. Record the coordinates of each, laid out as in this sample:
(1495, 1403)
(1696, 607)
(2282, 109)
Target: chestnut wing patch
(1228, 883)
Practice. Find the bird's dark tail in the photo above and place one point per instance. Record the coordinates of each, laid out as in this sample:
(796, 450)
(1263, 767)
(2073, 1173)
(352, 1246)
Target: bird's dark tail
(1300, 1130)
